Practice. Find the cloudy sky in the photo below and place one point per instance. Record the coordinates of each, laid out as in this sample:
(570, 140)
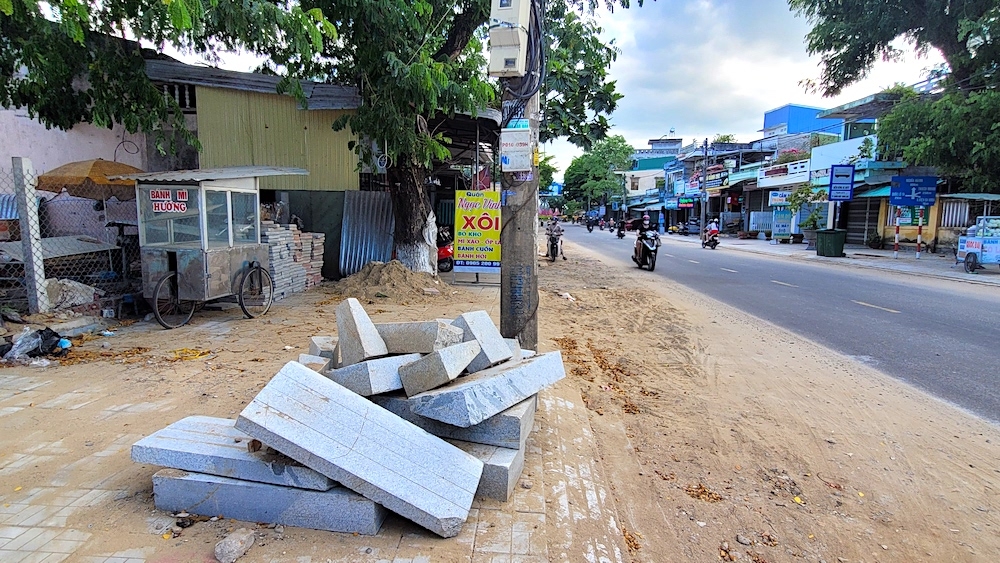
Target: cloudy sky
(705, 67)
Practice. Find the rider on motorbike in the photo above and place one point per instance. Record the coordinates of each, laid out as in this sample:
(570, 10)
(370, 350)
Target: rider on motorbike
(641, 233)
(554, 230)
(712, 230)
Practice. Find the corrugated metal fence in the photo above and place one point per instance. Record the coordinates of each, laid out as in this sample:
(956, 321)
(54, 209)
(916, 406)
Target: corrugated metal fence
(367, 230)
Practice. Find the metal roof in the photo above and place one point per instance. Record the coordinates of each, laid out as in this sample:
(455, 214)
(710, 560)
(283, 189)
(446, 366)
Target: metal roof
(975, 197)
(208, 174)
(319, 96)
(869, 107)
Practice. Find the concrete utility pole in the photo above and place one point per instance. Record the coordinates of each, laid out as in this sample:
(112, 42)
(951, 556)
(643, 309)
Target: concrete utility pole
(519, 250)
(704, 190)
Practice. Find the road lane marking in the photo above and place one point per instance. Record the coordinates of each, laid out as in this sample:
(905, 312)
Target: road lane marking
(783, 283)
(670, 255)
(875, 306)
(694, 261)
(728, 270)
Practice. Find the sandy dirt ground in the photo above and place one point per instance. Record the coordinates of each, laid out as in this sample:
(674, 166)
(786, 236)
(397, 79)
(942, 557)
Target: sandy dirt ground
(700, 434)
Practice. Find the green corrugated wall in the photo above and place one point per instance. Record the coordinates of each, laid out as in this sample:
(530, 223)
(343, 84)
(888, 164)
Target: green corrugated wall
(246, 128)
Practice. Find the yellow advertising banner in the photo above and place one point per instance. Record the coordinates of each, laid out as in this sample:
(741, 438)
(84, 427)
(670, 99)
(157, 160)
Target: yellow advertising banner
(477, 231)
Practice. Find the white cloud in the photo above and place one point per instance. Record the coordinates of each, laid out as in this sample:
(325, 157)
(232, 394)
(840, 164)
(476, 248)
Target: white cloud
(705, 67)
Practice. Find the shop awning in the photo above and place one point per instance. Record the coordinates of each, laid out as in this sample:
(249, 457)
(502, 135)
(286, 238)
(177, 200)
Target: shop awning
(877, 192)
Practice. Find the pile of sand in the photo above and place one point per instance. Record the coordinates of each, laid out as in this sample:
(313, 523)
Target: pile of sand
(392, 280)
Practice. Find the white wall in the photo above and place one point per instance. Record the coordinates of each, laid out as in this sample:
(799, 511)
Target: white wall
(50, 148)
(837, 153)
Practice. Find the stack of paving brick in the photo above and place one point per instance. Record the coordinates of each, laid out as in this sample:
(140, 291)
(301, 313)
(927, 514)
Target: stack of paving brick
(312, 261)
(414, 418)
(295, 264)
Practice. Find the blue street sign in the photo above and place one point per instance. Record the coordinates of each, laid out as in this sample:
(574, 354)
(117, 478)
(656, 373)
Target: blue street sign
(913, 191)
(841, 182)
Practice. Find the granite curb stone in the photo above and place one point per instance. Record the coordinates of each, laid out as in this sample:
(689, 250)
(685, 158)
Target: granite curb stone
(422, 336)
(365, 448)
(478, 396)
(372, 377)
(437, 368)
(479, 326)
(501, 468)
(336, 510)
(205, 444)
(508, 429)
(358, 339)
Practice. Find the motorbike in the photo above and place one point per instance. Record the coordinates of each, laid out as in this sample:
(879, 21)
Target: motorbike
(645, 254)
(621, 230)
(554, 248)
(445, 251)
(590, 226)
(711, 241)
(601, 224)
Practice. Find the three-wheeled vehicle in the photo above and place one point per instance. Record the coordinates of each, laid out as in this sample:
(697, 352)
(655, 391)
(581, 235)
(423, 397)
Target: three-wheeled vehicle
(981, 244)
(199, 238)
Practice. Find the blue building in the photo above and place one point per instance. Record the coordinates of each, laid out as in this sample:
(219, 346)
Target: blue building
(792, 119)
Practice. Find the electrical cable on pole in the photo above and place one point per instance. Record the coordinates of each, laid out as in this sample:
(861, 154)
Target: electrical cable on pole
(704, 190)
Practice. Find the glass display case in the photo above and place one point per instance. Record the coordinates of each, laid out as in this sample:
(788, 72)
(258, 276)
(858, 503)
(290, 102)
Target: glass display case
(199, 235)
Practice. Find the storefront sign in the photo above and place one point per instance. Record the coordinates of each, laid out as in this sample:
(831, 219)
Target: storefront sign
(169, 207)
(477, 232)
(685, 202)
(168, 201)
(781, 223)
(775, 199)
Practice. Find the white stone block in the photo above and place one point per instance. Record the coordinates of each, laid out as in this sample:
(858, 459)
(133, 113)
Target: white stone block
(372, 377)
(437, 368)
(364, 447)
(423, 337)
(478, 326)
(357, 337)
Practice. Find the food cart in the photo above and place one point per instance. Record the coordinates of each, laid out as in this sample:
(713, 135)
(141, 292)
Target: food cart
(981, 244)
(199, 238)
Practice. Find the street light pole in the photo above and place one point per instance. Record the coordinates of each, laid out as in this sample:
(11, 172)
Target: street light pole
(704, 191)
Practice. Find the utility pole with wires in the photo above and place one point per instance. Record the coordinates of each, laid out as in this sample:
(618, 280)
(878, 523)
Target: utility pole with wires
(517, 57)
(704, 192)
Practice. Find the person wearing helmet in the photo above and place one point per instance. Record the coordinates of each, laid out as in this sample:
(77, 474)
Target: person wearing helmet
(641, 232)
(553, 229)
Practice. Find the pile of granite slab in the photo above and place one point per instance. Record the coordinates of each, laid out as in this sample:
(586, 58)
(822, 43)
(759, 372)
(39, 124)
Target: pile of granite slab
(414, 418)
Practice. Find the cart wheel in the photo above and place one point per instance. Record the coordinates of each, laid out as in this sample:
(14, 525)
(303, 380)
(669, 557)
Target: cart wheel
(256, 292)
(169, 310)
(971, 263)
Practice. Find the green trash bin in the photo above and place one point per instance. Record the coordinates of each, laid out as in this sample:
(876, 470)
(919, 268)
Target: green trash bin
(830, 242)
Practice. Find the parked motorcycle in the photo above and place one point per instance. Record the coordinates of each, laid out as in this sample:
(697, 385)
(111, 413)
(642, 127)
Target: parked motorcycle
(446, 251)
(645, 254)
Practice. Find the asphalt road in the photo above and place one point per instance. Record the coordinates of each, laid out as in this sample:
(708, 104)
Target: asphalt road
(939, 335)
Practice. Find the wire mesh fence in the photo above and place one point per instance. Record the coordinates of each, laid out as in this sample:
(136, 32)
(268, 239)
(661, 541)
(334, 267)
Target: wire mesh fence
(87, 242)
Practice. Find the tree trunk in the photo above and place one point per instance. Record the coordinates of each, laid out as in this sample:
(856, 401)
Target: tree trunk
(416, 228)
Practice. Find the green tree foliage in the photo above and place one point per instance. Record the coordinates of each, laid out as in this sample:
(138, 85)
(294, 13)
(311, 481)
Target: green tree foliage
(415, 60)
(958, 133)
(577, 95)
(851, 35)
(62, 61)
(726, 138)
(591, 178)
(953, 129)
(546, 171)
